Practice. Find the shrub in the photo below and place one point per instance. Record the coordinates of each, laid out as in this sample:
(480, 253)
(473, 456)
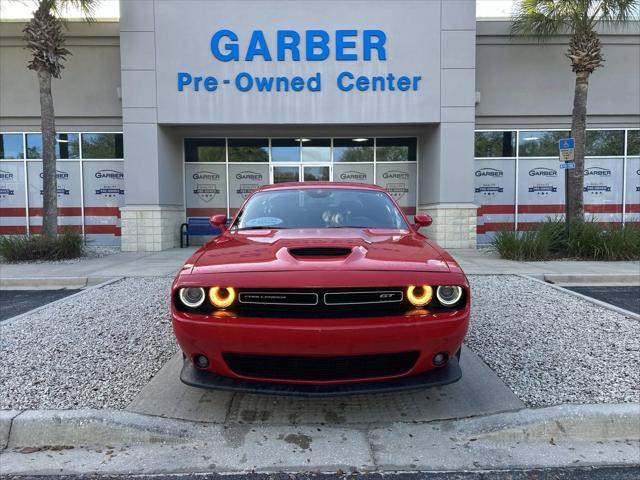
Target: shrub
(583, 240)
(528, 245)
(23, 248)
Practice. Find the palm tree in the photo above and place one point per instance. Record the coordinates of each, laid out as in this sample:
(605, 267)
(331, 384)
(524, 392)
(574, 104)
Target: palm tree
(579, 19)
(45, 38)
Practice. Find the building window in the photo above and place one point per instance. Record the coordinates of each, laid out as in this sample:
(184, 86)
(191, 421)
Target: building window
(285, 149)
(396, 149)
(204, 150)
(633, 142)
(286, 174)
(317, 150)
(102, 145)
(605, 143)
(540, 143)
(248, 150)
(495, 144)
(11, 146)
(316, 174)
(67, 146)
(353, 149)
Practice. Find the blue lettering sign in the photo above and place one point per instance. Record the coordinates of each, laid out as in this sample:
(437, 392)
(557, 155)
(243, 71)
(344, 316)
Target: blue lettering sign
(288, 40)
(231, 49)
(317, 39)
(258, 46)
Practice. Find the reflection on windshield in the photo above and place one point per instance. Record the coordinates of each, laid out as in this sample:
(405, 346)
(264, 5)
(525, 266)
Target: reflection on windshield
(320, 208)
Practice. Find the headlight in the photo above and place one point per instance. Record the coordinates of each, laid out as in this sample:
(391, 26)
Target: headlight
(192, 297)
(419, 295)
(449, 295)
(222, 297)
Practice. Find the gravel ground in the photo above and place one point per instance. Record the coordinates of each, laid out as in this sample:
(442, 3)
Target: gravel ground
(91, 351)
(550, 347)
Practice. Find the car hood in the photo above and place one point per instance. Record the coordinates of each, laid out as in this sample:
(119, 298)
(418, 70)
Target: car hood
(314, 249)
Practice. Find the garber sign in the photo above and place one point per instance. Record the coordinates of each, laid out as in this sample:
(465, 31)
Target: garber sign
(349, 45)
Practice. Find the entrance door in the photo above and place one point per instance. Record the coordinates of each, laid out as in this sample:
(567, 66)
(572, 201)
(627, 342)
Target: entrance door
(301, 159)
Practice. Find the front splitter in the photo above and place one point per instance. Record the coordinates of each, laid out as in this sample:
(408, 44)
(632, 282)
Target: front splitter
(193, 377)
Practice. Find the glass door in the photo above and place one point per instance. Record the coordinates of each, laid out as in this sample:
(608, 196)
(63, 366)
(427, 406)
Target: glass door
(300, 159)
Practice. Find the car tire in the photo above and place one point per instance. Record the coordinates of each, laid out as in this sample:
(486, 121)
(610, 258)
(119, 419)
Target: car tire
(458, 353)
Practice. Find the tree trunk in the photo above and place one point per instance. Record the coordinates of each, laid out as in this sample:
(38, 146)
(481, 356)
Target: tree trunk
(575, 197)
(49, 178)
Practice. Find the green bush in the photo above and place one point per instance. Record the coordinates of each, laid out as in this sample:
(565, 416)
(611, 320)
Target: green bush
(21, 248)
(583, 240)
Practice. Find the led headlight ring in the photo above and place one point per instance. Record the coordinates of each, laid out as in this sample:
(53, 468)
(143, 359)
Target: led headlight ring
(192, 297)
(449, 295)
(222, 297)
(419, 295)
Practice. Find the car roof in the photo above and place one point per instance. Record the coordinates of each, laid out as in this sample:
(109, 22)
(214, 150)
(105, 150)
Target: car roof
(307, 185)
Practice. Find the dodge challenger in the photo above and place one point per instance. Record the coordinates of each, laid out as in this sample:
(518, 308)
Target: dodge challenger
(320, 288)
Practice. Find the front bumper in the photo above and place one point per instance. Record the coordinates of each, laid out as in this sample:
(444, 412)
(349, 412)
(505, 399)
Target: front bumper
(205, 379)
(427, 334)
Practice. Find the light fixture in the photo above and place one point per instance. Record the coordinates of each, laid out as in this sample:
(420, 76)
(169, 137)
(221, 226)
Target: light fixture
(222, 297)
(192, 297)
(531, 139)
(302, 139)
(419, 295)
(62, 140)
(360, 139)
(449, 295)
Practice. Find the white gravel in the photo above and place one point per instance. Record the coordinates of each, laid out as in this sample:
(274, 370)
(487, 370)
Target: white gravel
(550, 347)
(96, 350)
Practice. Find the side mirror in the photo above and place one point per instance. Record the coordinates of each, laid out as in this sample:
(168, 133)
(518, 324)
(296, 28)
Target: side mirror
(219, 221)
(422, 220)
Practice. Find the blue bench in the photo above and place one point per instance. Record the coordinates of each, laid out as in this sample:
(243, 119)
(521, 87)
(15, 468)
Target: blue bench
(196, 226)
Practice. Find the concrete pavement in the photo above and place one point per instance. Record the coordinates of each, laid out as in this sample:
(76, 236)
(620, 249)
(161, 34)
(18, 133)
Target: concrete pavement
(116, 442)
(479, 392)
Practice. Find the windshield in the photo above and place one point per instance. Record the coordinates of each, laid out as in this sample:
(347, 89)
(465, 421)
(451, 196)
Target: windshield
(320, 208)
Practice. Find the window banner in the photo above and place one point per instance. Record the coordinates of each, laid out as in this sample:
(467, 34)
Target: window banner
(355, 172)
(540, 191)
(632, 196)
(103, 185)
(69, 198)
(12, 198)
(495, 196)
(603, 183)
(244, 179)
(205, 189)
(399, 179)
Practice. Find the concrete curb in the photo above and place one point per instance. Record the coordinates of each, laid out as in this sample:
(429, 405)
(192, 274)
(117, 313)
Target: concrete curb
(117, 442)
(593, 278)
(51, 282)
(63, 299)
(595, 301)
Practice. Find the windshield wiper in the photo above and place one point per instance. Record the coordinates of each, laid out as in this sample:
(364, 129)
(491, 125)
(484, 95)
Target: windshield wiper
(260, 227)
(347, 226)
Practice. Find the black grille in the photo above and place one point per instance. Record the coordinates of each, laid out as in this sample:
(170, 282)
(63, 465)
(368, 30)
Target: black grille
(321, 368)
(321, 303)
(319, 251)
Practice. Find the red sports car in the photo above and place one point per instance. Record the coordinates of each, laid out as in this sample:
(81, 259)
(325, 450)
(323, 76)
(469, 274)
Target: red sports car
(319, 289)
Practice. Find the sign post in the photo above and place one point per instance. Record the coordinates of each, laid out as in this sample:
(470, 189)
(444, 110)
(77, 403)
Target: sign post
(567, 148)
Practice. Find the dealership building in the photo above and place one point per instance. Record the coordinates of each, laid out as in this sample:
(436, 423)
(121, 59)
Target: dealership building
(181, 108)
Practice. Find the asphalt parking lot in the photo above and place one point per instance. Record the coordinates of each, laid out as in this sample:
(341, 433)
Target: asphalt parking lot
(15, 302)
(627, 297)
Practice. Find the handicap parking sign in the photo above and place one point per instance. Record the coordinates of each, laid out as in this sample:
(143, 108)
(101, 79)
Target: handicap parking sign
(567, 143)
(567, 149)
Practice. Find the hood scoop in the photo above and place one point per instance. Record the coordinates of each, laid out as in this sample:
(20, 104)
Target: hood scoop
(320, 251)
